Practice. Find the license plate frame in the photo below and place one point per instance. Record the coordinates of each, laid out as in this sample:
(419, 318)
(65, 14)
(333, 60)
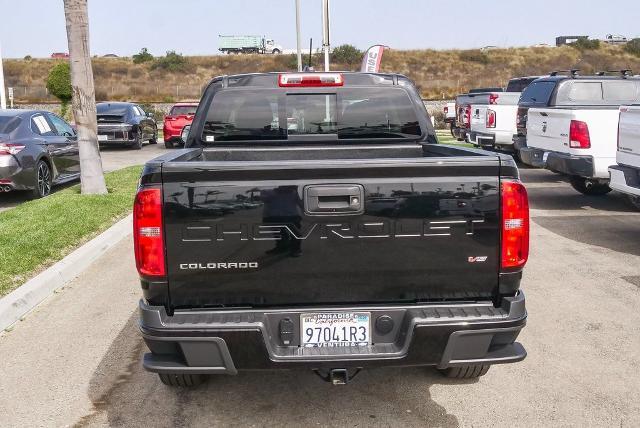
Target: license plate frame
(338, 326)
(103, 137)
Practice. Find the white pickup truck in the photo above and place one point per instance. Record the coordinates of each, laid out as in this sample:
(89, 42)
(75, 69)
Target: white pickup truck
(625, 176)
(574, 132)
(493, 119)
(461, 126)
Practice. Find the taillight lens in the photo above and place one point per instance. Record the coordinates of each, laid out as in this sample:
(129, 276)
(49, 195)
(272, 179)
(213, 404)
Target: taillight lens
(579, 135)
(493, 98)
(467, 116)
(10, 148)
(515, 224)
(491, 119)
(147, 232)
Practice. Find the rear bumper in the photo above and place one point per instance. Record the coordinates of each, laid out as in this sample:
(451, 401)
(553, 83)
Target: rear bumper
(426, 335)
(625, 179)
(13, 176)
(532, 157)
(564, 163)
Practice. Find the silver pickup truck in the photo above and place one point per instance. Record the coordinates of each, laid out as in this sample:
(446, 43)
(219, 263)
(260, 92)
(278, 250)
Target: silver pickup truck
(625, 176)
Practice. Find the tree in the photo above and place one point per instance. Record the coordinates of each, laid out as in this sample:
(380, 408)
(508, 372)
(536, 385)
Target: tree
(346, 54)
(83, 97)
(142, 56)
(59, 84)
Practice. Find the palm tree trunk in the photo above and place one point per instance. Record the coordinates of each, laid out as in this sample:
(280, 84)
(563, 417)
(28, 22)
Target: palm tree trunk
(84, 100)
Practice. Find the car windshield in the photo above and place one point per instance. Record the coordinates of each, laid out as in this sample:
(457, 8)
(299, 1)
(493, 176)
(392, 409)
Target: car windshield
(347, 113)
(183, 110)
(112, 109)
(8, 124)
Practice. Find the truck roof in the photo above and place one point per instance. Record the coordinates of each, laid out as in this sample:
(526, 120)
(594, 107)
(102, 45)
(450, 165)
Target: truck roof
(351, 78)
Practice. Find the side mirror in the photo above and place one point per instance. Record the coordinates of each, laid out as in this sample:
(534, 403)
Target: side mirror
(185, 133)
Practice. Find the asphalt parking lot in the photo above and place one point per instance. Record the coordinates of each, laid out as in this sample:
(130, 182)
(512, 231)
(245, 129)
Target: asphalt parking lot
(583, 337)
(112, 158)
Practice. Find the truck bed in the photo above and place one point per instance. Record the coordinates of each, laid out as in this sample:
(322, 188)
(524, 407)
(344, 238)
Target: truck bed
(274, 226)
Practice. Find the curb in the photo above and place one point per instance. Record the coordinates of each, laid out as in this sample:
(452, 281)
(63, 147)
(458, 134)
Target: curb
(23, 299)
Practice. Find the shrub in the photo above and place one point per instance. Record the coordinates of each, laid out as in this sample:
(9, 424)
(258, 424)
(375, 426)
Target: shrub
(585, 44)
(172, 62)
(346, 54)
(633, 47)
(474, 55)
(59, 84)
(28, 57)
(142, 56)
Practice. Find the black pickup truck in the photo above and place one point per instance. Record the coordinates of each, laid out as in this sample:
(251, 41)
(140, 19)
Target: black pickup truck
(313, 221)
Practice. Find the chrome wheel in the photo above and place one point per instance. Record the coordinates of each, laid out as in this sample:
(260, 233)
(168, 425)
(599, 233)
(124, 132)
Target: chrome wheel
(43, 176)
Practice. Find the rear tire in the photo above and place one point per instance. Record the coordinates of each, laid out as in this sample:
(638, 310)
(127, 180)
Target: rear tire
(635, 201)
(181, 380)
(465, 372)
(137, 145)
(43, 180)
(588, 187)
(168, 144)
(154, 139)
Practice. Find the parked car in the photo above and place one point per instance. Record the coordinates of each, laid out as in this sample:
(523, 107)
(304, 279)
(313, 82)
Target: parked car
(38, 150)
(181, 115)
(125, 124)
(314, 277)
(625, 176)
(572, 127)
(493, 120)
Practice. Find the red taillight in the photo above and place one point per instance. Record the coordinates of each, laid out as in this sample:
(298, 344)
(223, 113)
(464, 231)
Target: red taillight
(579, 135)
(515, 224)
(466, 119)
(310, 79)
(147, 232)
(491, 119)
(493, 98)
(10, 148)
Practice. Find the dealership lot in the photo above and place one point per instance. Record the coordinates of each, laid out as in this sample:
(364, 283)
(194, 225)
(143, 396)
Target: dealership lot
(583, 339)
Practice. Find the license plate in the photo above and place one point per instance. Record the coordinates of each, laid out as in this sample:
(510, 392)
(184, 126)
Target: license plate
(102, 138)
(335, 330)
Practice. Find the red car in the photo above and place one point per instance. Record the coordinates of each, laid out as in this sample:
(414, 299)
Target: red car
(181, 115)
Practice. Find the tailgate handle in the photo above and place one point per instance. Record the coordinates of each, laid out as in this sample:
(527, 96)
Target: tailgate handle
(334, 199)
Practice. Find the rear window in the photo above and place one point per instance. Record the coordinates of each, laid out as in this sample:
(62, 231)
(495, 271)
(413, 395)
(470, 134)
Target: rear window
(537, 93)
(620, 91)
(112, 109)
(273, 114)
(183, 110)
(518, 85)
(9, 124)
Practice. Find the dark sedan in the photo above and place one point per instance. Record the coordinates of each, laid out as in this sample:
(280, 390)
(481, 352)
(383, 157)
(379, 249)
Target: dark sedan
(37, 151)
(125, 124)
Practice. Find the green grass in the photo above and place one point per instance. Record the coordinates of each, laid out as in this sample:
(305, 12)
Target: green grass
(40, 232)
(445, 137)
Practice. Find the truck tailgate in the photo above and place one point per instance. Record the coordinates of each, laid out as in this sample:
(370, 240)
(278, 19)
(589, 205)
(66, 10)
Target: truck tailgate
(278, 233)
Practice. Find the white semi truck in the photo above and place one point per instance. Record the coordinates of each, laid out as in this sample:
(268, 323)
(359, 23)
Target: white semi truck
(248, 44)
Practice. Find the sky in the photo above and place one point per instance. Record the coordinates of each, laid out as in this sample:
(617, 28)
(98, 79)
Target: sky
(191, 27)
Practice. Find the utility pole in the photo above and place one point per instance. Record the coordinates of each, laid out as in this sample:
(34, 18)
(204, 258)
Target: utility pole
(3, 95)
(325, 33)
(298, 37)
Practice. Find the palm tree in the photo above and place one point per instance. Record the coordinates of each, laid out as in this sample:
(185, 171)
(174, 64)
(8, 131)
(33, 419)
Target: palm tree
(84, 100)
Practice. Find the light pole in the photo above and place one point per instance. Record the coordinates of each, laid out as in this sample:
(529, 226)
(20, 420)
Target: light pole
(325, 33)
(298, 39)
(3, 96)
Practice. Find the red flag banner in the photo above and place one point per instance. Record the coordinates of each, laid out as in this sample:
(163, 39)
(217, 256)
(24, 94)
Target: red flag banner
(371, 59)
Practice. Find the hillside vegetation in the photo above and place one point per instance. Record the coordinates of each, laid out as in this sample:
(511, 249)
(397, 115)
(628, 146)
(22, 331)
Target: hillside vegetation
(439, 74)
